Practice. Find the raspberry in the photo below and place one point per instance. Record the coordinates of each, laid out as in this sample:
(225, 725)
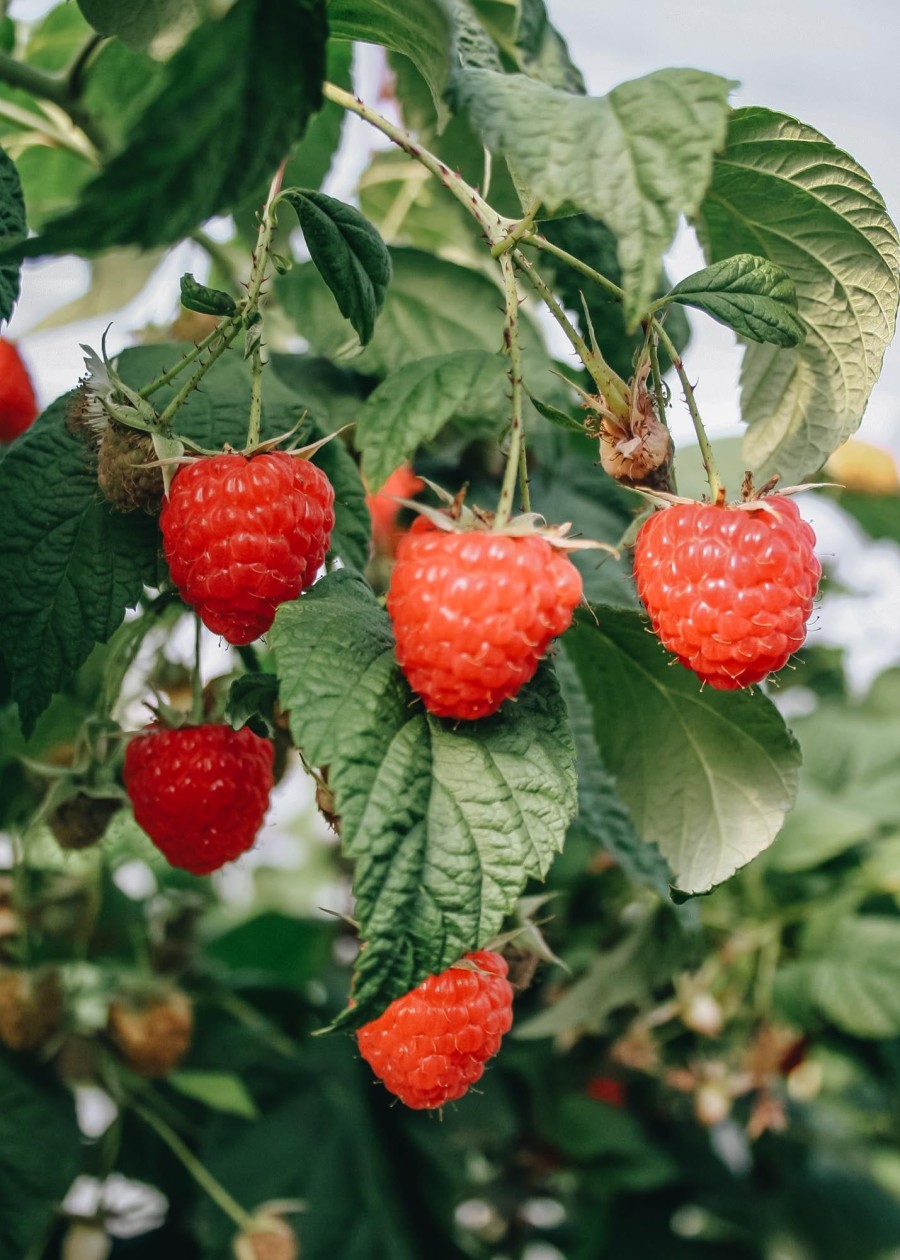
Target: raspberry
(154, 1036)
(729, 590)
(474, 612)
(242, 536)
(199, 792)
(18, 405)
(431, 1044)
(269, 1238)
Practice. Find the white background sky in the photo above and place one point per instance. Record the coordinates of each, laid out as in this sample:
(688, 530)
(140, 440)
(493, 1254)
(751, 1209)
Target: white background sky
(833, 66)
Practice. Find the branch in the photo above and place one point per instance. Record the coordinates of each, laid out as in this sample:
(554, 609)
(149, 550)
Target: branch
(50, 87)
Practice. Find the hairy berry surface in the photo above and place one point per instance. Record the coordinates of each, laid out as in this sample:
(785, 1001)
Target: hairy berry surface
(431, 1044)
(18, 405)
(199, 792)
(474, 613)
(728, 590)
(242, 536)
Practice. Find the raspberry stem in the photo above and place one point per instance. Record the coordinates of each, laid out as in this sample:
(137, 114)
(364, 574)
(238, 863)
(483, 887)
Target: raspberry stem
(516, 453)
(186, 360)
(201, 1174)
(716, 486)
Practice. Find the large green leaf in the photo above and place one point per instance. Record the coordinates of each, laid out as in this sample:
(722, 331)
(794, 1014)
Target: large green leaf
(12, 230)
(749, 294)
(780, 189)
(707, 775)
(242, 121)
(445, 821)
(636, 158)
(432, 307)
(420, 29)
(141, 22)
(39, 1152)
(854, 979)
(311, 157)
(412, 406)
(601, 814)
(348, 253)
(70, 566)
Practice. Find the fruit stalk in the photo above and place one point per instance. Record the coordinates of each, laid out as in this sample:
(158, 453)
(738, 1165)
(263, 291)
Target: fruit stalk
(716, 486)
(187, 359)
(201, 1174)
(494, 225)
(516, 453)
(610, 385)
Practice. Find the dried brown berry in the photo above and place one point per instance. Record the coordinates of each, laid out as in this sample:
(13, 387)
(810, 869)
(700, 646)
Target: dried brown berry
(81, 821)
(122, 474)
(152, 1037)
(30, 1008)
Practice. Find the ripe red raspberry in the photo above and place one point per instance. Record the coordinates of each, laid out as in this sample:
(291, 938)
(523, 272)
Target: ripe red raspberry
(729, 590)
(242, 536)
(474, 612)
(431, 1044)
(199, 792)
(18, 405)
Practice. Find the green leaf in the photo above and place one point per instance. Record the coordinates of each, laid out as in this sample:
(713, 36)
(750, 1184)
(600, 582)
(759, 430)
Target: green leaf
(560, 418)
(276, 949)
(221, 1091)
(412, 406)
(445, 821)
(171, 176)
(708, 776)
(348, 252)
(40, 1151)
(12, 230)
(140, 23)
(601, 814)
(419, 29)
(856, 980)
(636, 158)
(780, 189)
(432, 307)
(70, 566)
(749, 294)
(198, 297)
(311, 158)
(819, 828)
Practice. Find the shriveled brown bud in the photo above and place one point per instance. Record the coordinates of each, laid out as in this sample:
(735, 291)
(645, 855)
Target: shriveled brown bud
(81, 820)
(122, 474)
(31, 1004)
(271, 1238)
(153, 1036)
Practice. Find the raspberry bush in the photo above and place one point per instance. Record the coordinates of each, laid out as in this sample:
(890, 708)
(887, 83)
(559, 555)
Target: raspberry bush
(368, 671)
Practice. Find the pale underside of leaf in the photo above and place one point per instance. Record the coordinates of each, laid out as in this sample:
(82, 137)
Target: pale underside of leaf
(636, 158)
(782, 190)
(707, 776)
